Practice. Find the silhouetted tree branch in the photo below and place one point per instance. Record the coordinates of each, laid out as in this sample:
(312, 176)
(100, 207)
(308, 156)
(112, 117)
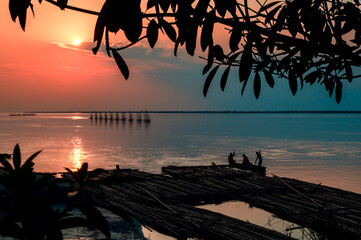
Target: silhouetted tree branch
(304, 41)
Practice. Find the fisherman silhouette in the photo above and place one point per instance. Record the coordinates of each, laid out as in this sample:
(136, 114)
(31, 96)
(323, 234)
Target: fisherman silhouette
(230, 158)
(259, 158)
(245, 159)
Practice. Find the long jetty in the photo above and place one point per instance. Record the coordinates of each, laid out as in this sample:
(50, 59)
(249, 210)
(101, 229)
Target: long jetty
(166, 202)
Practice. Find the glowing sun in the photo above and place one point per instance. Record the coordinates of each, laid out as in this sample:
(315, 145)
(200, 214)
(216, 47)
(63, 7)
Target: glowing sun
(76, 41)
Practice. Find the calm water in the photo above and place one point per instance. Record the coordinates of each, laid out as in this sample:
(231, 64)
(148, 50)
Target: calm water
(322, 148)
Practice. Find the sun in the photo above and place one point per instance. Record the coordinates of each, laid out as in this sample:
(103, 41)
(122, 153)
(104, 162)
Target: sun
(76, 41)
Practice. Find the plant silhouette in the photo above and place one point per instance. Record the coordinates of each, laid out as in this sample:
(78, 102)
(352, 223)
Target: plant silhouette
(303, 41)
(38, 206)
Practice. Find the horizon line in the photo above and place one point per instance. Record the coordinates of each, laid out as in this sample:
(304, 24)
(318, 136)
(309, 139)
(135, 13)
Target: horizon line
(206, 111)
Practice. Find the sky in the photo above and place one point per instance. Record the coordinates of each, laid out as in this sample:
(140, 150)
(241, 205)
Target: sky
(42, 70)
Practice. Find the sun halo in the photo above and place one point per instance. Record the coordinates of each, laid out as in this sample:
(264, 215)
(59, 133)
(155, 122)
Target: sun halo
(76, 41)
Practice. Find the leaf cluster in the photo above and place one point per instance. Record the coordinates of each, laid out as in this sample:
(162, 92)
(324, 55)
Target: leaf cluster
(39, 206)
(302, 41)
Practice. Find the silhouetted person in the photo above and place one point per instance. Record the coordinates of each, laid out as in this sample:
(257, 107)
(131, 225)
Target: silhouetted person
(230, 158)
(259, 158)
(245, 160)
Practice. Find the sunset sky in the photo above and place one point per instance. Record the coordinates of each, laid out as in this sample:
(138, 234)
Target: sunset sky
(42, 69)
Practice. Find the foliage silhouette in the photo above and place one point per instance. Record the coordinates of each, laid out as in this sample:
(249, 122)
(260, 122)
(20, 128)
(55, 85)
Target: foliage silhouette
(303, 41)
(38, 206)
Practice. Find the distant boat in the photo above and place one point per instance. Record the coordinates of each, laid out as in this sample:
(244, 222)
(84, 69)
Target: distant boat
(245, 167)
(91, 116)
(130, 117)
(139, 117)
(105, 116)
(116, 116)
(146, 117)
(111, 116)
(96, 116)
(100, 116)
(21, 114)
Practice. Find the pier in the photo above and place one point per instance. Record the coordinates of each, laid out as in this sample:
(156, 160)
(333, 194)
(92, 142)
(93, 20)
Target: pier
(166, 202)
(146, 117)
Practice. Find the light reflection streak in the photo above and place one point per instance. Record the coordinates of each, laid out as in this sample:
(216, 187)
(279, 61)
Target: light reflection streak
(77, 155)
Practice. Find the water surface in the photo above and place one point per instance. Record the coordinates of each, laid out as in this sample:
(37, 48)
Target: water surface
(321, 148)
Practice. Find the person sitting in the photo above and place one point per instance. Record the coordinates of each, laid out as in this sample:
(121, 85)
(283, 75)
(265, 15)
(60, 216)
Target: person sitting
(259, 158)
(245, 160)
(230, 158)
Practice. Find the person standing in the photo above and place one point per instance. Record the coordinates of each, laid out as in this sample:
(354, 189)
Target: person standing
(230, 158)
(259, 158)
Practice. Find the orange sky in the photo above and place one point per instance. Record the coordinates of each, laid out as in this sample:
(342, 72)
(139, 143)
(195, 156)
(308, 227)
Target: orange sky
(40, 70)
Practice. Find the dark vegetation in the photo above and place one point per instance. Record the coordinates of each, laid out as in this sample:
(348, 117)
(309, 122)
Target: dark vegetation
(39, 206)
(303, 41)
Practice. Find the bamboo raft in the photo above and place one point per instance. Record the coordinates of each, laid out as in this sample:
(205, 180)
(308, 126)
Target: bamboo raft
(165, 202)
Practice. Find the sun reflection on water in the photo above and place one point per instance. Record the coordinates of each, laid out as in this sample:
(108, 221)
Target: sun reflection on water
(77, 155)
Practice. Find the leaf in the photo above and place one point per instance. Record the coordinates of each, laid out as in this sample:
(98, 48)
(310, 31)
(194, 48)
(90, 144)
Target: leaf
(207, 30)
(151, 3)
(6, 164)
(14, 9)
(32, 9)
(257, 85)
(280, 19)
(233, 57)
(272, 13)
(269, 78)
(200, 10)
(107, 45)
(176, 45)
(169, 30)
(245, 65)
(331, 87)
(210, 60)
(292, 80)
(83, 172)
(338, 91)
(191, 40)
(312, 77)
(99, 27)
(235, 38)
(28, 164)
(22, 18)
(121, 64)
(164, 5)
(133, 24)
(209, 80)
(218, 53)
(225, 77)
(294, 25)
(220, 7)
(16, 157)
(152, 33)
(348, 69)
(72, 174)
(265, 7)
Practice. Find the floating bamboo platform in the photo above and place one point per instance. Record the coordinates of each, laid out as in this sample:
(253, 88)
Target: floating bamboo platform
(165, 202)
